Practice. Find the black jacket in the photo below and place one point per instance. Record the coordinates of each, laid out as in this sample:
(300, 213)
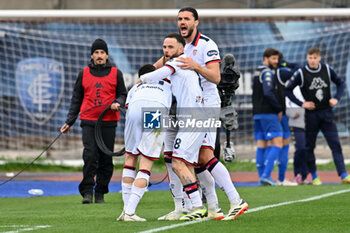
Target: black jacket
(78, 93)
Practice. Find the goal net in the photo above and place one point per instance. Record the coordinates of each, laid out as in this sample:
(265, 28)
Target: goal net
(43, 52)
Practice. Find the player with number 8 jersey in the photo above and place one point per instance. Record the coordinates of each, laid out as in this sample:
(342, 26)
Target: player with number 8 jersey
(187, 141)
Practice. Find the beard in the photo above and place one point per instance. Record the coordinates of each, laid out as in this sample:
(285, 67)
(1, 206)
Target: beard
(189, 34)
(273, 66)
(170, 57)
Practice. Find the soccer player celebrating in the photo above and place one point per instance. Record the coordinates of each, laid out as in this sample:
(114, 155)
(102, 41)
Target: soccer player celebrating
(186, 143)
(147, 143)
(202, 56)
(314, 80)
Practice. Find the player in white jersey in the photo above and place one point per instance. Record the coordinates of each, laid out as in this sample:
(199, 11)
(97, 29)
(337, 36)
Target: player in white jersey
(203, 57)
(153, 99)
(188, 93)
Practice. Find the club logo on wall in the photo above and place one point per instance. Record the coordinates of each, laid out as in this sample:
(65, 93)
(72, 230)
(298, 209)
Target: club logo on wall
(39, 84)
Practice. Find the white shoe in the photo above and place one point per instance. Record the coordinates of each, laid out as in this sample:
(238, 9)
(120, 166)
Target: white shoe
(236, 210)
(216, 214)
(287, 183)
(130, 218)
(121, 216)
(172, 216)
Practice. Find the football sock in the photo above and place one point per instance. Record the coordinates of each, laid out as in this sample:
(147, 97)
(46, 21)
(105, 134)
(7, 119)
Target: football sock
(136, 192)
(207, 184)
(186, 202)
(128, 171)
(193, 193)
(343, 175)
(223, 179)
(283, 163)
(273, 152)
(260, 160)
(314, 175)
(175, 186)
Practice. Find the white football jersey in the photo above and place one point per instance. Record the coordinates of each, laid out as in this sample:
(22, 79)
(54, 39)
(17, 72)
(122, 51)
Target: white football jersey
(203, 51)
(185, 85)
(159, 92)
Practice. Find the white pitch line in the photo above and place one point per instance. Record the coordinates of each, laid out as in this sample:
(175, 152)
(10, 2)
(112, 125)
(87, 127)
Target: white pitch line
(252, 210)
(27, 229)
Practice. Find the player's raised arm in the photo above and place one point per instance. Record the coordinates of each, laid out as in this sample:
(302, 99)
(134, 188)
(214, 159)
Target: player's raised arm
(157, 75)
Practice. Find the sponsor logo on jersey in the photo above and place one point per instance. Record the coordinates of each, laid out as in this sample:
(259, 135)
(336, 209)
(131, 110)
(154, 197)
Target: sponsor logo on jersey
(39, 84)
(319, 94)
(152, 119)
(212, 53)
(317, 83)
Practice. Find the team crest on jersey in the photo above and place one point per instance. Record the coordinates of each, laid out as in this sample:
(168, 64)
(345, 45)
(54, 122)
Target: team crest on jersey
(194, 52)
(39, 84)
(152, 119)
(317, 83)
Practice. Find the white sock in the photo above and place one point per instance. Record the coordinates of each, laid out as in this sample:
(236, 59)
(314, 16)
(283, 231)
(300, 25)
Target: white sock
(196, 199)
(175, 186)
(136, 194)
(135, 197)
(223, 180)
(207, 184)
(126, 187)
(193, 193)
(187, 204)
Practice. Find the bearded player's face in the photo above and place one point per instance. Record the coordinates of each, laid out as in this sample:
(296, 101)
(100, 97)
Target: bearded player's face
(186, 24)
(171, 48)
(272, 61)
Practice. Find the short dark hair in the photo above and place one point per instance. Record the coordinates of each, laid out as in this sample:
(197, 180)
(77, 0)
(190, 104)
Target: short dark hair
(190, 9)
(314, 50)
(271, 52)
(146, 69)
(178, 37)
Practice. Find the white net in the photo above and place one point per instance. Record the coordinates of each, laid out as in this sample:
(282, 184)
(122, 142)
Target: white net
(41, 59)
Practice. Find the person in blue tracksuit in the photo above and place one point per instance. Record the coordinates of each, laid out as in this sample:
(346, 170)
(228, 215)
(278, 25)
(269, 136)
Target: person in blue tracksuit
(284, 71)
(314, 80)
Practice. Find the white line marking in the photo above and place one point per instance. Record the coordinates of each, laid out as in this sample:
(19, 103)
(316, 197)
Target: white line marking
(26, 229)
(252, 210)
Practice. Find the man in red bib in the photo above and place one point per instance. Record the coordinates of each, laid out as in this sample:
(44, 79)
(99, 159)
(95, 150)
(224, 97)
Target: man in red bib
(97, 86)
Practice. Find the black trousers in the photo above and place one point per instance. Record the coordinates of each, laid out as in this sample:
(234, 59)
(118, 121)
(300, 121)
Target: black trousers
(96, 163)
(323, 120)
(298, 137)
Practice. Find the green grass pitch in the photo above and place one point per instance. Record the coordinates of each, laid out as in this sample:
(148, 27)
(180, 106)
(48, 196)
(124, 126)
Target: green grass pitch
(67, 214)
